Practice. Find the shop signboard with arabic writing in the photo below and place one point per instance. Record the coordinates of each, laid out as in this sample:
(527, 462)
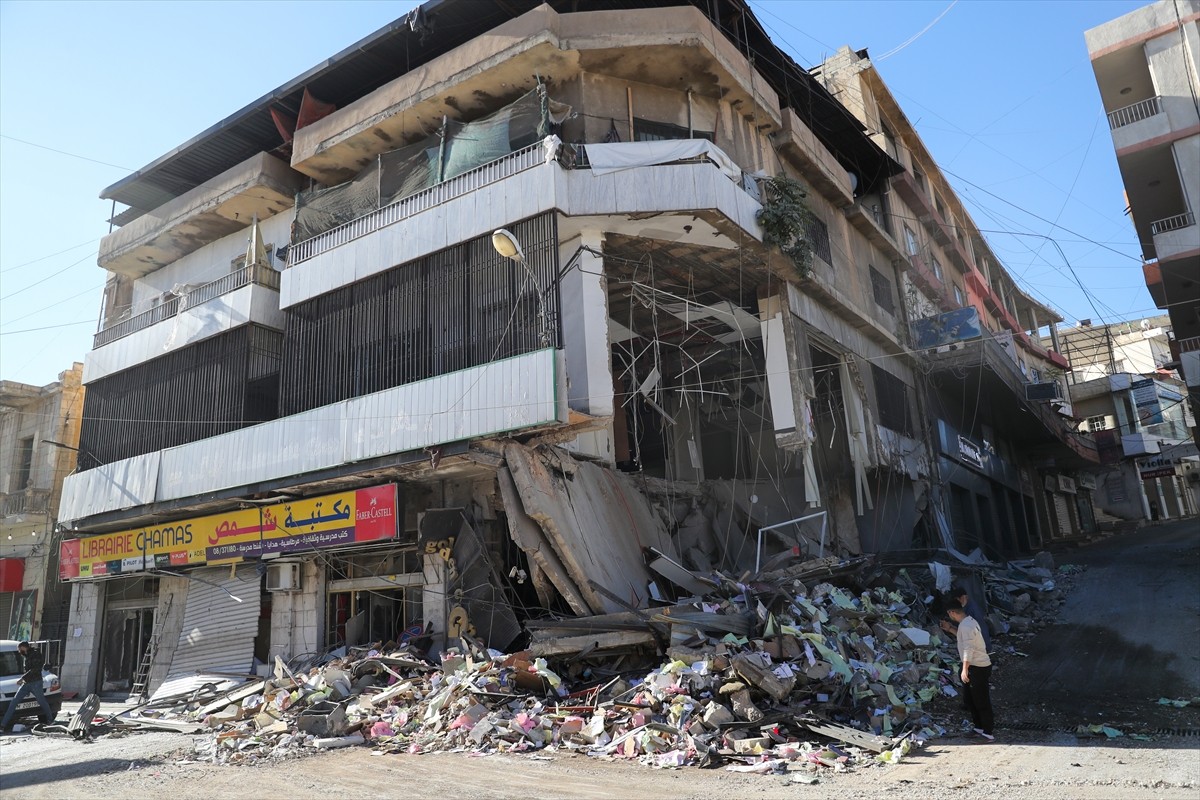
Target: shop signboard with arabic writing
(356, 516)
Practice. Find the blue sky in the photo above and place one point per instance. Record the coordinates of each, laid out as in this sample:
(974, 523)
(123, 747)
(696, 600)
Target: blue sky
(1001, 92)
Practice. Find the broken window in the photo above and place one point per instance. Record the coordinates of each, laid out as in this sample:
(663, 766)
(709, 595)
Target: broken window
(23, 465)
(910, 241)
(891, 395)
(881, 288)
(645, 130)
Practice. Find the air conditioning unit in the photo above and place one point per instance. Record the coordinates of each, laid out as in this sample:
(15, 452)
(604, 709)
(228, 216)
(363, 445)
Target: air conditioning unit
(283, 576)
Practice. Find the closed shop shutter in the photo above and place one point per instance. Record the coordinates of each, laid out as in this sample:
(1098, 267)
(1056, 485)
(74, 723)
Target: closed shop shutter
(6, 604)
(1062, 514)
(218, 632)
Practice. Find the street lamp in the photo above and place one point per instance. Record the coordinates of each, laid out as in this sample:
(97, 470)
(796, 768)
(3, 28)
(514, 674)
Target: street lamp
(507, 245)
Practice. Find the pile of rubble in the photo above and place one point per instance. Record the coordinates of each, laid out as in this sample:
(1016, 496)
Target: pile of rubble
(822, 665)
(755, 674)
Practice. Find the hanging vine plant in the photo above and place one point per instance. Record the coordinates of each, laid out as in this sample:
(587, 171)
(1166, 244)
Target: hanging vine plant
(786, 220)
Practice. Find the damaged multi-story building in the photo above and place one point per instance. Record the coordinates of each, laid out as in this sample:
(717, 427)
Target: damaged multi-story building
(521, 309)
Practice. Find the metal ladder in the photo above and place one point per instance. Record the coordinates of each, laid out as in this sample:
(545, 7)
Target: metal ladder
(142, 677)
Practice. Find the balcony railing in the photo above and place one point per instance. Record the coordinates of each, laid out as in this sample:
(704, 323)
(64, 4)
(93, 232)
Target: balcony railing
(260, 275)
(1173, 223)
(28, 501)
(491, 172)
(1143, 109)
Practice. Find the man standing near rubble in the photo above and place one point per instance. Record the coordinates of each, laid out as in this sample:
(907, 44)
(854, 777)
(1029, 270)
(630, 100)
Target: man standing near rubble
(959, 594)
(976, 670)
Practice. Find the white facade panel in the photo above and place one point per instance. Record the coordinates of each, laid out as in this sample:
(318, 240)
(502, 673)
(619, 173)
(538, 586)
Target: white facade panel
(250, 303)
(121, 484)
(292, 445)
(512, 394)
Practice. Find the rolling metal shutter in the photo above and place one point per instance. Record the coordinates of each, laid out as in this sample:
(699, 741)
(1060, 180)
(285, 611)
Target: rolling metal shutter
(218, 632)
(1062, 514)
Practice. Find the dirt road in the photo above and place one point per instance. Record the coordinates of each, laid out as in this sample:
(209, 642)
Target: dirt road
(1114, 653)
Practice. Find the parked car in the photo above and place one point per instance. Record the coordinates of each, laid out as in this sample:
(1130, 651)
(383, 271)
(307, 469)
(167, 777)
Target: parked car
(11, 669)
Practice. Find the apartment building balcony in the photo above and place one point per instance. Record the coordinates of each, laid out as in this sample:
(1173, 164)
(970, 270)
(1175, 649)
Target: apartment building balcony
(260, 186)
(816, 163)
(25, 502)
(539, 178)
(1138, 122)
(522, 393)
(1189, 360)
(995, 386)
(929, 283)
(246, 295)
(1175, 236)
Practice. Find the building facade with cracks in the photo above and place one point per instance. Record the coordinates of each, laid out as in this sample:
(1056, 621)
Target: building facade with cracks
(475, 323)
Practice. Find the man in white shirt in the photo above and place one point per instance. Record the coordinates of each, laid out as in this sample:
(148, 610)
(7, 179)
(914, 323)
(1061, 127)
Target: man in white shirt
(976, 670)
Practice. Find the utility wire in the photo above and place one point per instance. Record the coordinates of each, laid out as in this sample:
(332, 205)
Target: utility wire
(52, 255)
(48, 277)
(63, 152)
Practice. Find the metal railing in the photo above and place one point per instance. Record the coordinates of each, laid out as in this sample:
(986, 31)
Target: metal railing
(136, 323)
(27, 501)
(1173, 223)
(260, 275)
(517, 161)
(1135, 112)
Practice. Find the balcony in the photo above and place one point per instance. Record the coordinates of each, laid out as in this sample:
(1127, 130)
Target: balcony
(995, 385)
(515, 394)
(473, 180)
(1175, 236)
(262, 185)
(249, 294)
(541, 177)
(1134, 112)
(28, 501)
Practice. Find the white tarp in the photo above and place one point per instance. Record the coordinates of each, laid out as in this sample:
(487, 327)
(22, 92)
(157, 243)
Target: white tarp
(611, 157)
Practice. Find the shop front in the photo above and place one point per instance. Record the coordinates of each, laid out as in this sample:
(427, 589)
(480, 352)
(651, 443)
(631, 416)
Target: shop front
(226, 593)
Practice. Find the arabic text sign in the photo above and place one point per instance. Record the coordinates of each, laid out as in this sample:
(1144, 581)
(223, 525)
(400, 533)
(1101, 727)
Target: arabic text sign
(360, 515)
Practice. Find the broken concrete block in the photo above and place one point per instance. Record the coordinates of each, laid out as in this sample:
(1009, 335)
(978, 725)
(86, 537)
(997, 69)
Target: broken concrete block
(762, 677)
(752, 745)
(1044, 560)
(738, 695)
(716, 714)
(915, 637)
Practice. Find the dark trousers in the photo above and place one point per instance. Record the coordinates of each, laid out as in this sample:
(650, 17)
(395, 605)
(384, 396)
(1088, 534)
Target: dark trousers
(34, 688)
(977, 698)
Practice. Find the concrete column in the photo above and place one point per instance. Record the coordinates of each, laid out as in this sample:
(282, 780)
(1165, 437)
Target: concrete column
(584, 313)
(1141, 484)
(1173, 486)
(1162, 502)
(82, 649)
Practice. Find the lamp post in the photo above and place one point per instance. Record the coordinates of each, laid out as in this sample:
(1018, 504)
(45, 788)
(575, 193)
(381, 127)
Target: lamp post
(508, 246)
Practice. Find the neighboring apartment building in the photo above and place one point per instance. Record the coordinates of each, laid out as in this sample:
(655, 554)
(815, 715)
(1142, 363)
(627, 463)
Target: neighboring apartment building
(1007, 455)
(1147, 66)
(1141, 426)
(39, 433)
(454, 328)
(1139, 347)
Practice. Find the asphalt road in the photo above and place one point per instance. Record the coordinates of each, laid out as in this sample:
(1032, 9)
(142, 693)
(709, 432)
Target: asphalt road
(1128, 634)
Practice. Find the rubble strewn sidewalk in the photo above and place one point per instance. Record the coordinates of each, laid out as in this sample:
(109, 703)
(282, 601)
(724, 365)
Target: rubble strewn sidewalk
(824, 665)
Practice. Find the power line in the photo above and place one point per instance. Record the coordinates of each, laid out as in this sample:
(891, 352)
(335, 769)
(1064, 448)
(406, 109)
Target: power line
(63, 152)
(918, 34)
(48, 277)
(52, 255)
(47, 327)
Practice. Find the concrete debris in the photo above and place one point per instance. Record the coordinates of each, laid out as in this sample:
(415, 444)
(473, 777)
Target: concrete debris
(805, 668)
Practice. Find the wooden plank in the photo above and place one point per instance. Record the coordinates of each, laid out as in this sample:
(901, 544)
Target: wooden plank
(570, 645)
(530, 538)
